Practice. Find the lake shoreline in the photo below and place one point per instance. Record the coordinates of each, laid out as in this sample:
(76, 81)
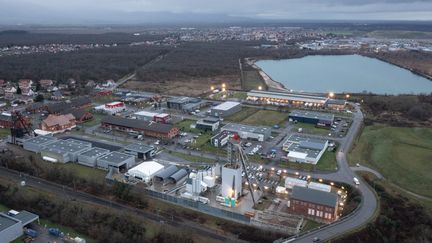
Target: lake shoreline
(273, 84)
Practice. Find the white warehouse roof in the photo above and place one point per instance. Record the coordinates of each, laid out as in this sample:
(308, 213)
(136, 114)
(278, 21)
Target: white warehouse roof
(226, 105)
(297, 155)
(145, 170)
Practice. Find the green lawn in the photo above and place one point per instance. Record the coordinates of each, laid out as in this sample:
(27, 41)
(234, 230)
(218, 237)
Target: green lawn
(4, 132)
(402, 155)
(310, 128)
(297, 166)
(231, 94)
(310, 225)
(95, 121)
(191, 158)
(266, 118)
(86, 172)
(3, 208)
(185, 126)
(242, 115)
(327, 162)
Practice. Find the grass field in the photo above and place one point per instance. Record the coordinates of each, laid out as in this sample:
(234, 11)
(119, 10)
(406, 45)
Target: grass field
(4, 132)
(95, 121)
(232, 94)
(310, 225)
(86, 172)
(266, 118)
(185, 126)
(327, 162)
(402, 155)
(241, 115)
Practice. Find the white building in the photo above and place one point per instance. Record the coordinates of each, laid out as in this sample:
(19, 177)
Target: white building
(225, 109)
(290, 182)
(304, 149)
(111, 108)
(231, 181)
(320, 186)
(145, 170)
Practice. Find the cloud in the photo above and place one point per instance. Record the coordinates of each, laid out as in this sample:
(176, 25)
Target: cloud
(111, 11)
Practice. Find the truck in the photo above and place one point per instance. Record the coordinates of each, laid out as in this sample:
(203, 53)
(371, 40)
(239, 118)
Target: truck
(31, 233)
(55, 232)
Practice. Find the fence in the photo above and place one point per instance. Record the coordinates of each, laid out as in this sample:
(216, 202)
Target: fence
(195, 205)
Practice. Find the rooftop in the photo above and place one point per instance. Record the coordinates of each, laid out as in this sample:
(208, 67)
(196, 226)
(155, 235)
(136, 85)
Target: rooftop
(116, 157)
(287, 96)
(95, 152)
(139, 147)
(306, 145)
(138, 124)
(67, 146)
(312, 114)
(226, 105)
(234, 127)
(6, 222)
(314, 196)
(39, 140)
(26, 217)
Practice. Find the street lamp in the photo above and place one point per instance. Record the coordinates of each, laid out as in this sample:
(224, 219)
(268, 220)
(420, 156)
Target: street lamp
(260, 87)
(331, 94)
(212, 87)
(347, 96)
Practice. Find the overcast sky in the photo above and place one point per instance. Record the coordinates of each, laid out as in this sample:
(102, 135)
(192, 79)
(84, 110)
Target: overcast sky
(142, 11)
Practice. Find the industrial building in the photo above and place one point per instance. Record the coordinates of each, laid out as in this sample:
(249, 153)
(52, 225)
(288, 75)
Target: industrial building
(12, 224)
(186, 104)
(116, 160)
(164, 174)
(111, 108)
(208, 124)
(64, 151)
(140, 150)
(90, 156)
(36, 144)
(178, 176)
(152, 116)
(151, 129)
(231, 181)
(221, 139)
(225, 109)
(286, 98)
(336, 104)
(260, 133)
(312, 117)
(304, 149)
(315, 204)
(144, 171)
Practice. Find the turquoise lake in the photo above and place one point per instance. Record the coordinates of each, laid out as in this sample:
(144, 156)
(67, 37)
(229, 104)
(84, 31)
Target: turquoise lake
(344, 73)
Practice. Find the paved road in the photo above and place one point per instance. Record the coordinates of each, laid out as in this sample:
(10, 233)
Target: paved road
(367, 169)
(366, 209)
(66, 192)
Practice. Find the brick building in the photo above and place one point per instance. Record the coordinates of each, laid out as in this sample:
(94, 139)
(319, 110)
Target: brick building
(315, 204)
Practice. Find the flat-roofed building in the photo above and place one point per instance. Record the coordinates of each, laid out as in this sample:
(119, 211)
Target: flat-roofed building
(208, 124)
(304, 149)
(286, 98)
(140, 150)
(64, 151)
(186, 104)
(314, 204)
(312, 117)
(13, 222)
(151, 129)
(152, 116)
(90, 156)
(260, 133)
(221, 139)
(116, 160)
(336, 104)
(36, 144)
(225, 109)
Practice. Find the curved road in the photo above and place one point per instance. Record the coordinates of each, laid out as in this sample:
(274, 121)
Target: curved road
(366, 209)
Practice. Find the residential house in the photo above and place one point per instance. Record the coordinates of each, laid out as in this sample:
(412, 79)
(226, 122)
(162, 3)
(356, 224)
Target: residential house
(46, 83)
(58, 123)
(25, 86)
